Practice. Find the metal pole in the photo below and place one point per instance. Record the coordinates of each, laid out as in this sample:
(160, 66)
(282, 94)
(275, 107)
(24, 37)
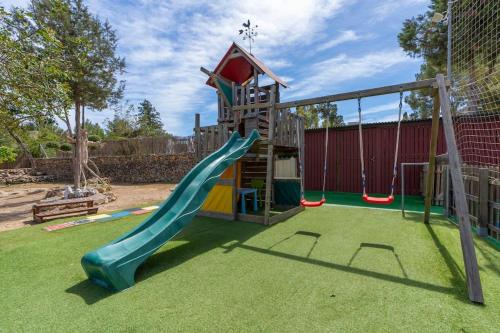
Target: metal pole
(448, 56)
(403, 189)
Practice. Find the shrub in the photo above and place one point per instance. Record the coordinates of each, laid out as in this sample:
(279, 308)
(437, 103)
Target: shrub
(94, 138)
(52, 144)
(7, 154)
(65, 147)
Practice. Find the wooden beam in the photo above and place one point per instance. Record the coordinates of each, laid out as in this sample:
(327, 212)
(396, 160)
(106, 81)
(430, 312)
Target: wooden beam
(216, 215)
(408, 86)
(431, 171)
(285, 215)
(270, 156)
(197, 135)
(484, 186)
(470, 261)
(251, 106)
(235, 190)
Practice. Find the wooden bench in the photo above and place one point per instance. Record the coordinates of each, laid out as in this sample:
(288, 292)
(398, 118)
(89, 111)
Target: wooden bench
(87, 208)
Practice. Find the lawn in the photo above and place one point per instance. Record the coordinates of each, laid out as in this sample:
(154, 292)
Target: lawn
(326, 269)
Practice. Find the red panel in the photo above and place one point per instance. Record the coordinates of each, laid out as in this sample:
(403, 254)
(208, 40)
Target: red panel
(238, 70)
(379, 141)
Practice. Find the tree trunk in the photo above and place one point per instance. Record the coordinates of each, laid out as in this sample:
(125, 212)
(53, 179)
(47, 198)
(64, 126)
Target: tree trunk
(23, 147)
(77, 160)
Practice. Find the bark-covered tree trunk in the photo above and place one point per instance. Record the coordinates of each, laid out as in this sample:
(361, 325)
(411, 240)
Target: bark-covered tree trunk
(23, 147)
(77, 160)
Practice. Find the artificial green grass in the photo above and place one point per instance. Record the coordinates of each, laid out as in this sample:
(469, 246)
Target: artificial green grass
(326, 269)
(413, 203)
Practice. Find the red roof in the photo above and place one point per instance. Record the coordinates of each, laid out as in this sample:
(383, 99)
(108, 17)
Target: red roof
(237, 65)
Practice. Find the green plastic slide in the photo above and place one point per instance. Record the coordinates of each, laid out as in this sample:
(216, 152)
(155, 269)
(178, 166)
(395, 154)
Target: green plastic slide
(113, 266)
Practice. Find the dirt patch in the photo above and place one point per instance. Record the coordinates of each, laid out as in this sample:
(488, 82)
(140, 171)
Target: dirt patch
(16, 200)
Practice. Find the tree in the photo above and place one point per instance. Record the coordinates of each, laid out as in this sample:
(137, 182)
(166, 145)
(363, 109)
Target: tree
(329, 115)
(94, 129)
(7, 154)
(92, 67)
(148, 120)
(123, 125)
(311, 117)
(421, 38)
(313, 113)
(30, 77)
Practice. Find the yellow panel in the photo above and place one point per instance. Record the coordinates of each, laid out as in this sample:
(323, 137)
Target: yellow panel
(228, 173)
(219, 200)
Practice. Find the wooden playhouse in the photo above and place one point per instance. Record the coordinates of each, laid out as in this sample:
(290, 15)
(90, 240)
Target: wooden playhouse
(263, 186)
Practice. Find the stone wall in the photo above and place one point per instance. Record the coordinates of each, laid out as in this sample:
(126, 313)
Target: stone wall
(126, 169)
(23, 175)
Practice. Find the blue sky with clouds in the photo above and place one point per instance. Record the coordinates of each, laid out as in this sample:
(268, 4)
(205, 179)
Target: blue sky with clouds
(319, 47)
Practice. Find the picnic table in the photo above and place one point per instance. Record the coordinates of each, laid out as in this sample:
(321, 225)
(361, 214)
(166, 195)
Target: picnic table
(40, 212)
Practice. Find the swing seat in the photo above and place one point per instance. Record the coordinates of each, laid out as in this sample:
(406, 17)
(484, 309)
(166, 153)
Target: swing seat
(305, 203)
(378, 201)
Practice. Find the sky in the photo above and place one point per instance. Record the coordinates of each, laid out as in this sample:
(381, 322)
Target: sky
(318, 47)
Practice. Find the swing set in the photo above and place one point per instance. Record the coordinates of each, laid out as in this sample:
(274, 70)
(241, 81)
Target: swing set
(441, 102)
(366, 198)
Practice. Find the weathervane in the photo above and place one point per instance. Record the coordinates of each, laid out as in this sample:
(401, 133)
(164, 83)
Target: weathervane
(249, 33)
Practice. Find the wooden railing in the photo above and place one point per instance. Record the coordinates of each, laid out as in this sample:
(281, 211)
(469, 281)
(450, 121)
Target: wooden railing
(482, 189)
(210, 138)
(285, 132)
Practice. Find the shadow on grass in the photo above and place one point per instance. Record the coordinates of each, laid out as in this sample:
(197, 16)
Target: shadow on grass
(457, 279)
(315, 235)
(381, 247)
(203, 235)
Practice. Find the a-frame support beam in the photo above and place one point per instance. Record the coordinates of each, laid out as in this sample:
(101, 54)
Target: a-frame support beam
(470, 261)
(429, 189)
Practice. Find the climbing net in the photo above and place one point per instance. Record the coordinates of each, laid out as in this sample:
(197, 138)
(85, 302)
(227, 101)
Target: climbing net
(475, 79)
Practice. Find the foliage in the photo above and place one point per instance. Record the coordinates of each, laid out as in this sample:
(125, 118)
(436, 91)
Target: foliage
(421, 38)
(31, 87)
(94, 138)
(313, 113)
(52, 144)
(65, 146)
(123, 124)
(89, 47)
(7, 154)
(148, 120)
(94, 129)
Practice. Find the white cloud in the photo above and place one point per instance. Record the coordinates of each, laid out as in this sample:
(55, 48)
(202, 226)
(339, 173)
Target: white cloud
(388, 7)
(341, 68)
(343, 37)
(165, 43)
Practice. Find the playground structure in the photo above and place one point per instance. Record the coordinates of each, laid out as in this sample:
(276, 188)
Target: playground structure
(254, 129)
(244, 106)
(238, 103)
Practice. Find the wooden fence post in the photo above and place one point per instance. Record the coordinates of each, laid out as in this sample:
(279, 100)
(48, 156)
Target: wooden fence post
(431, 170)
(197, 135)
(270, 155)
(482, 228)
(470, 261)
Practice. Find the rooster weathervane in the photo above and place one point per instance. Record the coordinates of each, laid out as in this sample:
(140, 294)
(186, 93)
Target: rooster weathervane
(249, 33)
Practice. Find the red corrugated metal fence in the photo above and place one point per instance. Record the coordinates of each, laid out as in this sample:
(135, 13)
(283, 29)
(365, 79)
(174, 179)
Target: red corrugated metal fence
(379, 141)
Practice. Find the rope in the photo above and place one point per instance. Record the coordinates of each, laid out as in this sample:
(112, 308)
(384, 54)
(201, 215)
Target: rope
(300, 160)
(363, 176)
(326, 154)
(396, 153)
(395, 166)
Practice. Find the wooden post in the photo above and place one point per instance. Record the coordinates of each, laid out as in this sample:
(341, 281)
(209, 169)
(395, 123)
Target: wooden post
(470, 261)
(235, 190)
(431, 170)
(484, 175)
(197, 135)
(270, 155)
